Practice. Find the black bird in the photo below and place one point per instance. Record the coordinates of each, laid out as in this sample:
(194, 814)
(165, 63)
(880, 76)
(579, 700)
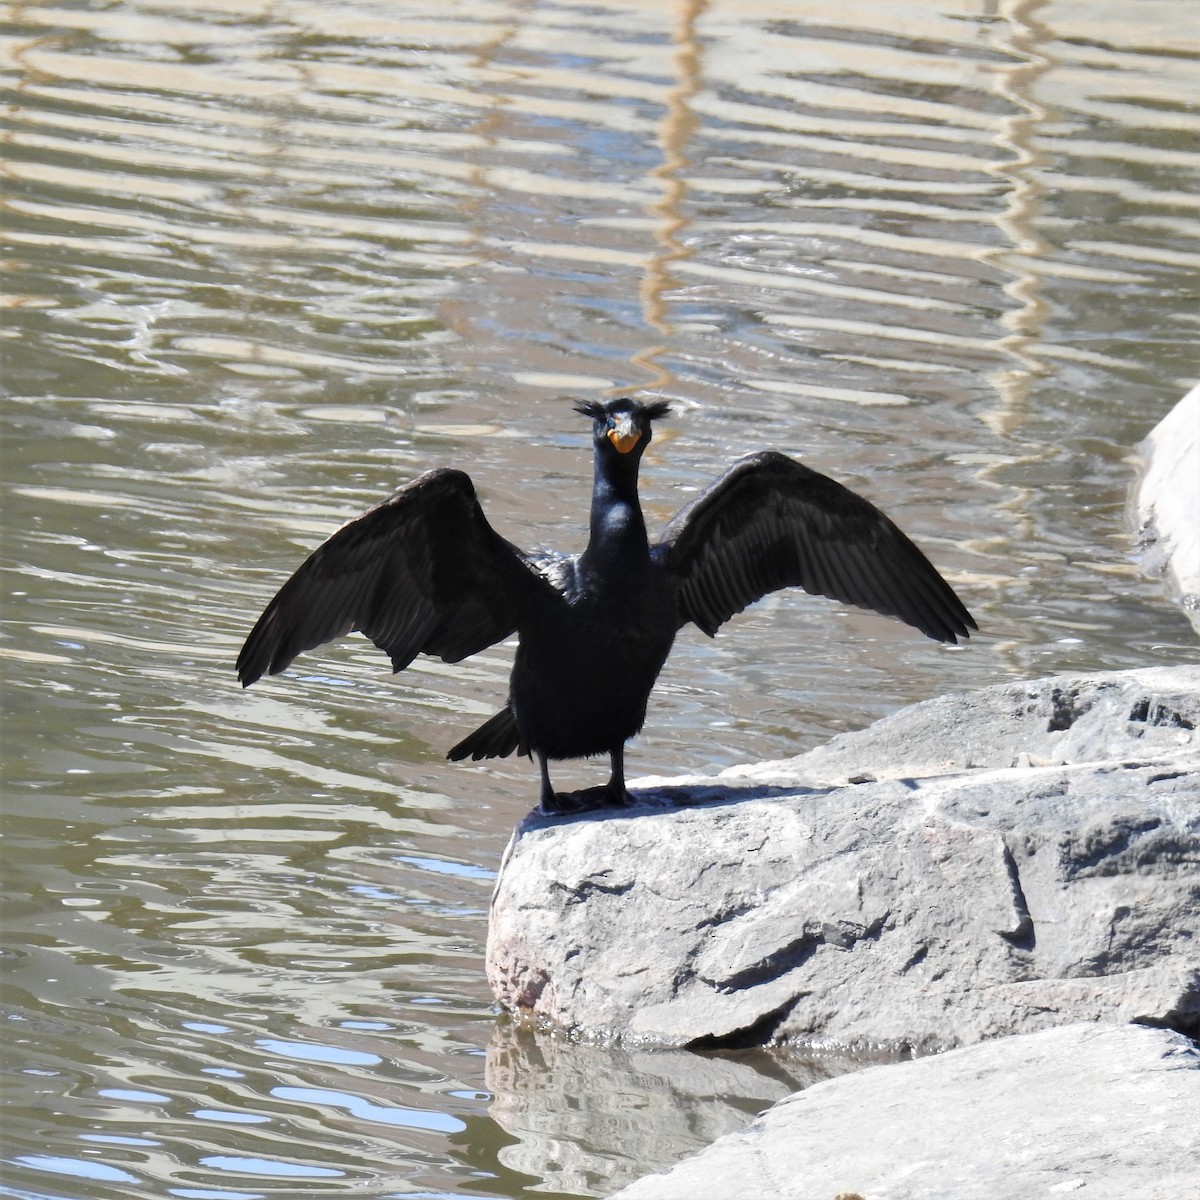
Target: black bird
(424, 572)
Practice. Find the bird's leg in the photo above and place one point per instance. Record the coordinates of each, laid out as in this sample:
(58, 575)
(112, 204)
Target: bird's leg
(616, 783)
(549, 801)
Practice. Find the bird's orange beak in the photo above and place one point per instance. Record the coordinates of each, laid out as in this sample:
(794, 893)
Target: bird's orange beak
(624, 435)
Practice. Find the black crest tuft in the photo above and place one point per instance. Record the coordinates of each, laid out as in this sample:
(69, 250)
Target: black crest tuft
(590, 408)
(656, 409)
(599, 412)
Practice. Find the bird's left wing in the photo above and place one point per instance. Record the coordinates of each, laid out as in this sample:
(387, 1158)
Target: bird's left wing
(770, 522)
(421, 572)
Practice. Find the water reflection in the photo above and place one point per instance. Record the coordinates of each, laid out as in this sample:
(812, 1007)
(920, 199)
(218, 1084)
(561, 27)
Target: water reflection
(589, 1119)
(266, 262)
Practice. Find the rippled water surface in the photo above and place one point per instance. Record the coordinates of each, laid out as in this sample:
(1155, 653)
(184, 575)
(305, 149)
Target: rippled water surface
(267, 261)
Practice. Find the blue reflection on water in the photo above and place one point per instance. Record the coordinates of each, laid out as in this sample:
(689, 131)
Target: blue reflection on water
(320, 1053)
(374, 892)
(440, 866)
(82, 1168)
(130, 1094)
(117, 1139)
(411, 1118)
(268, 1166)
(214, 1194)
(233, 1118)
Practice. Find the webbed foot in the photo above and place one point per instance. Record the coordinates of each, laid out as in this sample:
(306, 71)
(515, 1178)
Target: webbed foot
(613, 794)
(586, 800)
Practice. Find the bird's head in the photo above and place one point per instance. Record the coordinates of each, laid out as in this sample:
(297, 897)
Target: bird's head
(622, 424)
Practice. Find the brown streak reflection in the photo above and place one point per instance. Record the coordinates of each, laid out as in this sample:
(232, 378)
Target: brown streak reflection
(489, 127)
(678, 124)
(493, 113)
(1018, 136)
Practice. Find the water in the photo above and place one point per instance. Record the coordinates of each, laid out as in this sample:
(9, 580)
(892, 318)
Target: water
(265, 262)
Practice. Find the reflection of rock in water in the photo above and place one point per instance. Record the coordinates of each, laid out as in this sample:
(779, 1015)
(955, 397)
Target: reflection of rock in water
(590, 1118)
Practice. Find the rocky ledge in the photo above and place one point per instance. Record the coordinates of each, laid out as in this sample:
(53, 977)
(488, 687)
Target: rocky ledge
(978, 865)
(1106, 1111)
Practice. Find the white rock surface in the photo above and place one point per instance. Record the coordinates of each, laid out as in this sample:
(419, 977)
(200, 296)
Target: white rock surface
(1097, 1111)
(1168, 502)
(1023, 857)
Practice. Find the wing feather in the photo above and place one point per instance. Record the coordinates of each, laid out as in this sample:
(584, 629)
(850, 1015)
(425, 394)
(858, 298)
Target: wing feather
(423, 572)
(770, 522)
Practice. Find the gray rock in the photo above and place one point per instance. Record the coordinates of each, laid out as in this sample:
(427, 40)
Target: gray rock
(1108, 1112)
(1167, 502)
(1023, 857)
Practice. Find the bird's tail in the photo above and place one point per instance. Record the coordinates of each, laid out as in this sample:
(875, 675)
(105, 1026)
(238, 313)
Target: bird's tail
(497, 737)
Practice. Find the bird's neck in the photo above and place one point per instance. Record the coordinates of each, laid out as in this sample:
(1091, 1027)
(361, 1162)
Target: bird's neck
(617, 526)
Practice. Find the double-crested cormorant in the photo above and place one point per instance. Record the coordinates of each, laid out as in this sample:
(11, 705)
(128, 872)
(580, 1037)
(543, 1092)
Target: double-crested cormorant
(424, 572)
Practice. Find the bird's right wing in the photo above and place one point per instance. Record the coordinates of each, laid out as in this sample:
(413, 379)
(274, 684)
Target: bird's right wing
(423, 572)
(770, 522)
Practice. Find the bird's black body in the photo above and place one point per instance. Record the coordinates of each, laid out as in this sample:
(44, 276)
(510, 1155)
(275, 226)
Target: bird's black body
(425, 573)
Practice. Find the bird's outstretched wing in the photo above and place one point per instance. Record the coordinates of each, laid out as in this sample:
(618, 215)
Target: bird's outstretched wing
(421, 572)
(770, 522)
